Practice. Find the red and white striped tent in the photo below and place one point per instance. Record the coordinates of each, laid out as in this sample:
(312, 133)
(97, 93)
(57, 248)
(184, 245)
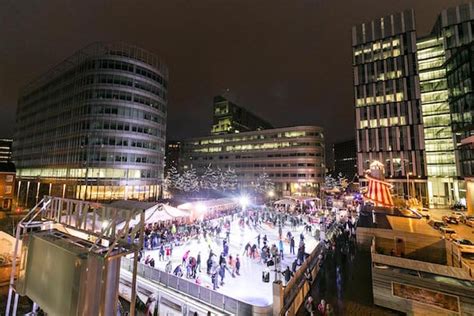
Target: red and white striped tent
(379, 192)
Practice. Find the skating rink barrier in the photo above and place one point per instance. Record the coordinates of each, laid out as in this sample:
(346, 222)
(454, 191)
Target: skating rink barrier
(216, 300)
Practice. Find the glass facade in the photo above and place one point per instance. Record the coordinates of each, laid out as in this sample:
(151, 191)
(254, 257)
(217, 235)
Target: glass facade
(387, 100)
(292, 157)
(96, 120)
(460, 69)
(443, 188)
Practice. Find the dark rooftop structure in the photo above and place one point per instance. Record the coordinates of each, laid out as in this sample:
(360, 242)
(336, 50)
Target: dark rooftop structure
(230, 118)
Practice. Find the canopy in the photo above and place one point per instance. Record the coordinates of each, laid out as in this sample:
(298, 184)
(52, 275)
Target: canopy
(211, 205)
(159, 213)
(285, 202)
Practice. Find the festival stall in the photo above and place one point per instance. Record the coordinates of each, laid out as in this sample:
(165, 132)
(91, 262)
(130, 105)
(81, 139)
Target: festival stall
(199, 209)
(159, 213)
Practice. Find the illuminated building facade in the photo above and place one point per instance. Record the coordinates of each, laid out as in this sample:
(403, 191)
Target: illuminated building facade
(437, 79)
(443, 186)
(94, 127)
(5, 150)
(387, 101)
(7, 185)
(293, 157)
(230, 118)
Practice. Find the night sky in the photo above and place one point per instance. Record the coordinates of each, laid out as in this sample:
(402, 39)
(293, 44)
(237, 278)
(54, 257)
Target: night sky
(287, 61)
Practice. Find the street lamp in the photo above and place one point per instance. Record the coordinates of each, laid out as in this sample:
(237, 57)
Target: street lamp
(244, 201)
(271, 194)
(408, 183)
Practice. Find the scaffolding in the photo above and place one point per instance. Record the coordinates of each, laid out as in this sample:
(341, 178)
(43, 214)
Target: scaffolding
(93, 226)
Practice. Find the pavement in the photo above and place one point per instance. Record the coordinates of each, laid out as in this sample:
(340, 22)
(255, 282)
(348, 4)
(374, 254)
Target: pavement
(461, 229)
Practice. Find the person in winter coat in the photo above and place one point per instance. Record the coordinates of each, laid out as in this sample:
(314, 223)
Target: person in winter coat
(222, 273)
(214, 275)
(294, 265)
(198, 261)
(280, 246)
(178, 272)
(322, 307)
(222, 259)
(226, 249)
(287, 274)
(161, 255)
(168, 267)
(237, 265)
(253, 251)
(247, 249)
(308, 276)
(309, 306)
(292, 245)
(186, 255)
(232, 266)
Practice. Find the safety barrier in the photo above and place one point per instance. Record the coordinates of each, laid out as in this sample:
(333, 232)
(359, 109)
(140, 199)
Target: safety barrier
(294, 293)
(205, 295)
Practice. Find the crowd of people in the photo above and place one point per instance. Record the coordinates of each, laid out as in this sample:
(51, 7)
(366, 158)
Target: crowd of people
(323, 308)
(259, 248)
(165, 238)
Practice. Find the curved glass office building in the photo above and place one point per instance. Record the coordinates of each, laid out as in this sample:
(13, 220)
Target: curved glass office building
(94, 127)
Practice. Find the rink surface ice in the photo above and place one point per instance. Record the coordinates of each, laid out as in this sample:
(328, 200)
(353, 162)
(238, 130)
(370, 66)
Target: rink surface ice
(248, 286)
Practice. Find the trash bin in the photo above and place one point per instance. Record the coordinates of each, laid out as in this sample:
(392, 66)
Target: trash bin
(266, 275)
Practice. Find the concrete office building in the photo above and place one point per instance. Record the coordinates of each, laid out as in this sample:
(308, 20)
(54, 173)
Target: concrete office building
(94, 127)
(441, 103)
(230, 118)
(293, 157)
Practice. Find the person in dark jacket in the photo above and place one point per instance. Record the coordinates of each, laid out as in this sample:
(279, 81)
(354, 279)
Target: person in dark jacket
(287, 274)
(292, 245)
(237, 265)
(294, 265)
(198, 261)
(222, 273)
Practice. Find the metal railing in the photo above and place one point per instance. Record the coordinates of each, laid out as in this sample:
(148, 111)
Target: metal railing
(195, 291)
(98, 223)
(296, 290)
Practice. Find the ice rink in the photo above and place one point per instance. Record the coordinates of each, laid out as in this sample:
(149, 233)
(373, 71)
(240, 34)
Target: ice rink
(248, 286)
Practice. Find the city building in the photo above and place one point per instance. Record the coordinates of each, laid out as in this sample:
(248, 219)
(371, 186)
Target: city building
(387, 101)
(292, 157)
(5, 150)
(94, 127)
(443, 187)
(345, 159)
(432, 78)
(456, 25)
(172, 154)
(7, 185)
(231, 118)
